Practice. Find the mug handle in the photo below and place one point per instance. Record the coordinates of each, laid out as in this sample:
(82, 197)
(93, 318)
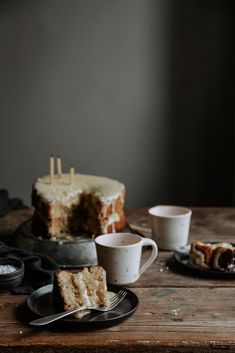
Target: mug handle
(149, 242)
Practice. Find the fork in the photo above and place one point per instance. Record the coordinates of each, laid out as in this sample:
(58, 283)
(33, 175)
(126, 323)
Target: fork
(113, 302)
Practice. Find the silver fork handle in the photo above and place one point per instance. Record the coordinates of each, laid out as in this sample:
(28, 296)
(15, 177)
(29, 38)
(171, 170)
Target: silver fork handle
(54, 317)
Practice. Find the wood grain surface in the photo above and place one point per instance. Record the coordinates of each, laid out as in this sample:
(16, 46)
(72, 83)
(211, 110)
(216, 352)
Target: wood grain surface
(178, 311)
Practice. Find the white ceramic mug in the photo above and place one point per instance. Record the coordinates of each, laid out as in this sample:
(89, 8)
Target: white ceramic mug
(120, 255)
(170, 226)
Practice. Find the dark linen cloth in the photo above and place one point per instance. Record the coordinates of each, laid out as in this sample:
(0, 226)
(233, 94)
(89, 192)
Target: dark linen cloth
(39, 269)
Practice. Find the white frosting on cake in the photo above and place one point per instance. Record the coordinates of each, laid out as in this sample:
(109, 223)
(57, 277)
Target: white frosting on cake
(62, 195)
(104, 188)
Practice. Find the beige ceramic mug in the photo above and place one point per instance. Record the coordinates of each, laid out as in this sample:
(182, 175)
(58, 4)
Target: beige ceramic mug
(170, 226)
(120, 255)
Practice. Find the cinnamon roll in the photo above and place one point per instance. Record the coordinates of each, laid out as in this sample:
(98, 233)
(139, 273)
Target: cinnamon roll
(218, 256)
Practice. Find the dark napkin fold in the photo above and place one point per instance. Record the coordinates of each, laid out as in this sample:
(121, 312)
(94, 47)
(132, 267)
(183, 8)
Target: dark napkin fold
(39, 269)
(9, 204)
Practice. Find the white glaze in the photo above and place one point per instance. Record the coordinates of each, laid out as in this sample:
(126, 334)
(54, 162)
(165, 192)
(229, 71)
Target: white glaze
(105, 188)
(61, 192)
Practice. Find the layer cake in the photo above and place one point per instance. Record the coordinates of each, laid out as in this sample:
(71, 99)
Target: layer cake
(90, 204)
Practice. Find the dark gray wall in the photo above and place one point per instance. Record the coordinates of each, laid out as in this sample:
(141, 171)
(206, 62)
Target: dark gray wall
(137, 90)
(201, 102)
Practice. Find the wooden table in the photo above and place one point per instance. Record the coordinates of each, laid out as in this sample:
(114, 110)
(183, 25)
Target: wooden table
(178, 312)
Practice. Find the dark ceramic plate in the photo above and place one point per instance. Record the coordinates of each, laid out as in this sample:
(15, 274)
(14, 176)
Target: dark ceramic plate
(182, 256)
(41, 303)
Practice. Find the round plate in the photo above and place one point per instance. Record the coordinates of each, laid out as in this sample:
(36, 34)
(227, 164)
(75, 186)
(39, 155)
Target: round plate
(41, 303)
(182, 256)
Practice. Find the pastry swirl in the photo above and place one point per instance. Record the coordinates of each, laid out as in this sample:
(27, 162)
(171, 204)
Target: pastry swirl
(217, 256)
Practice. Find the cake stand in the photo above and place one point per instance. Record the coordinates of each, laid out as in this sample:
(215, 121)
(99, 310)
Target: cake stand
(77, 251)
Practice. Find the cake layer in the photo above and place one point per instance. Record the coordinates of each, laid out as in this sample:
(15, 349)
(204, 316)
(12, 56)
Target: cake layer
(92, 204)
(82, 289)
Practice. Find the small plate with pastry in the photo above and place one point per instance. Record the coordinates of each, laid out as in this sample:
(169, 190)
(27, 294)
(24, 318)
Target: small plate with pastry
(211, 258)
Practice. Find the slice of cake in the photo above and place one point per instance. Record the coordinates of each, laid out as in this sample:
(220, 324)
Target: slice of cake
(216, 256)
(82, 289)
(89, 204)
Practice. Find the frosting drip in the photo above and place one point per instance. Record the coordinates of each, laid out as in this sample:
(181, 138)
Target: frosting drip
(105, 189)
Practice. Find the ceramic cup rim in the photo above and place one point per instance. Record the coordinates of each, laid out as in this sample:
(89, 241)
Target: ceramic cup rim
(99, 238)
(176, 211)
